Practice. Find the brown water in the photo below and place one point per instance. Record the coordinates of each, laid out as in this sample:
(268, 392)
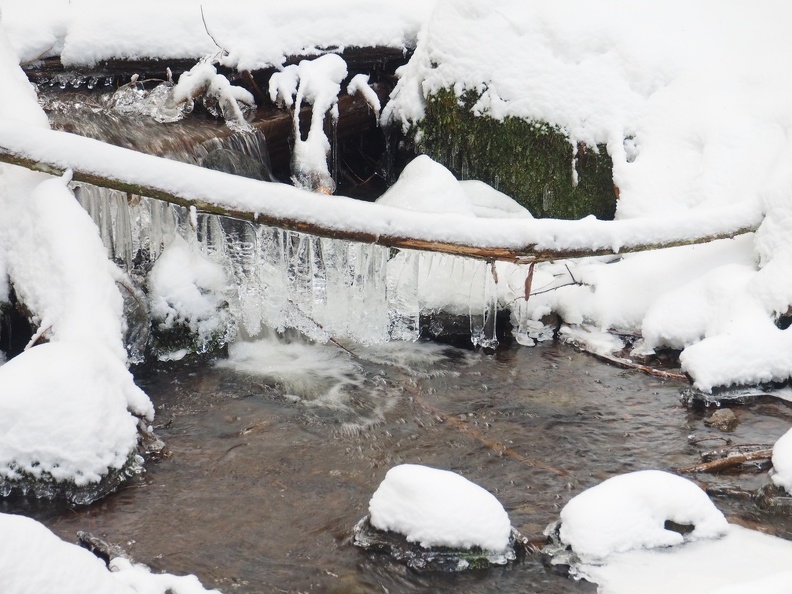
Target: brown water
(261, 491)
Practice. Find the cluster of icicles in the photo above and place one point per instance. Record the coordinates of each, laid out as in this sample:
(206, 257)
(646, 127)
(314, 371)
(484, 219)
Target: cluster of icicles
(279, 279)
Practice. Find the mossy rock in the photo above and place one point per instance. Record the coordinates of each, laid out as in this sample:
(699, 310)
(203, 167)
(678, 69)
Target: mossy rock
(530, 161)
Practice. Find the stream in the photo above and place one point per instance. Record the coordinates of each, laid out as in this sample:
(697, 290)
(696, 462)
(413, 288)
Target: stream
(271, 467)
(274, 453)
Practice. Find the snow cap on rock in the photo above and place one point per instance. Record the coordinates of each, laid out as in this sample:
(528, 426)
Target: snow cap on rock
(439, 508)
(629, 512)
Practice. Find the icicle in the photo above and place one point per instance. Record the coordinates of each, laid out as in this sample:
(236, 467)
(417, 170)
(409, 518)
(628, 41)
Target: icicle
(483, 306)
(404, 306)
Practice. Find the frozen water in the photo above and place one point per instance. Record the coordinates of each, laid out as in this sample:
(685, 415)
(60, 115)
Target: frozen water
(325, 288)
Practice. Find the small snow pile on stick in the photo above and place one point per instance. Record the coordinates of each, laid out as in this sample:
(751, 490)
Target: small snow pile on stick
(318, 83)
(782, 462)
(204, 81)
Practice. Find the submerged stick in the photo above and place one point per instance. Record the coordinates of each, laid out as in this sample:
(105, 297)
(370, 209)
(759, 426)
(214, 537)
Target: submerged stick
(728, 462)
(627, 364)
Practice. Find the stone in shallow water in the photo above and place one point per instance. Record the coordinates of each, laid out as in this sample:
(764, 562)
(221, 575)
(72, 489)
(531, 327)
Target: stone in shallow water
(434, 558)
(436, 519)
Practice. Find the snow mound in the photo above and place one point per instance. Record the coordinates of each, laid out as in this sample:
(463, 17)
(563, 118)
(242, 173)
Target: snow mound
(741, 562)
(33, 559)
(439, 508)
(427, 186)
(188, 290)
(63, 414)
(782, 462)
(629, 511)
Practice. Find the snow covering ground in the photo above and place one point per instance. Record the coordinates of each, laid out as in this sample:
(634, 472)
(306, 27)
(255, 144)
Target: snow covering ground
(617, 531)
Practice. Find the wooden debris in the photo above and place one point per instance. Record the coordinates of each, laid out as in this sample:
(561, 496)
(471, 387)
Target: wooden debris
(730, 461)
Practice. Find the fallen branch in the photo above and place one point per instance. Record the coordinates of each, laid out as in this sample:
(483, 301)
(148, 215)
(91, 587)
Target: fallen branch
(729, 461)
(287, 207)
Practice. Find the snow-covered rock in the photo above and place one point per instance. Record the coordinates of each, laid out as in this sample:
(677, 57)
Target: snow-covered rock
(629, 511)
(439, 508)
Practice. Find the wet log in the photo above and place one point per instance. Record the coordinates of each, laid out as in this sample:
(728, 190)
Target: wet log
(286, 207)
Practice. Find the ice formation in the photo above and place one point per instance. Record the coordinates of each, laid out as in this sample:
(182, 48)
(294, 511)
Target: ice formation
(629, 511)
(33, 559)
(439, 508)
(316, 82)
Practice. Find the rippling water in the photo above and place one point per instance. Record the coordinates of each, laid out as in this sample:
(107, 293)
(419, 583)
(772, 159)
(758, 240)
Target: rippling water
(276, 452)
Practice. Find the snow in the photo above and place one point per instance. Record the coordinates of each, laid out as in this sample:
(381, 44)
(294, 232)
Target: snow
(781, 474)
(34, 560)
(616, 530)
(203, 80)
(253, 34)
(64, 413)
(360, 84)
(628, 512)
(439, 508)
(316, 82)
(698, 130)
(740, 562)
(188, 289)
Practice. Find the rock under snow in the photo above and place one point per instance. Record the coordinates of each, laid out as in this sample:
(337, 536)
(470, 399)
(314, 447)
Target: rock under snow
(439, 508)
(629, 512)
(64, 420)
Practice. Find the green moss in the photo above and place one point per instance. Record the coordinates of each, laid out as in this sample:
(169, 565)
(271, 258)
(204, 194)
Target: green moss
(529, 161)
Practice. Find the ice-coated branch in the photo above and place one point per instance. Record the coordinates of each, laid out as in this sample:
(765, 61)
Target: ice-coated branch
(203, 80)
(318, 83)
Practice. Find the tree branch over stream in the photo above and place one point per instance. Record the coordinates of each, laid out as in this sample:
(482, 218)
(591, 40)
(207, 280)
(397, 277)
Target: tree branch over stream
(286, 207)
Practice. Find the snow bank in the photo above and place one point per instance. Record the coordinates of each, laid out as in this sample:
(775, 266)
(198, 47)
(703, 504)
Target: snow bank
(781, 474)
(253, 34)
(33, 559)
(741, 562)
(629, 511)
(439, 508)
(702, 123)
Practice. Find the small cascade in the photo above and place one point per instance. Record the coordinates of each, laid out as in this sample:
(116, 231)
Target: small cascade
(324, 288)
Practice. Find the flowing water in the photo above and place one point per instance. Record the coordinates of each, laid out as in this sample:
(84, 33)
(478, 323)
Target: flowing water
(275, 453)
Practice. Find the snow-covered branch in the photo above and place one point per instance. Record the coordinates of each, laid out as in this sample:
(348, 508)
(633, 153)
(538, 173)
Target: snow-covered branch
(280, 205)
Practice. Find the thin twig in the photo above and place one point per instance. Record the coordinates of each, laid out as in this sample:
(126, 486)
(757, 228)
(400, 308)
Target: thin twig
(206, 28)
